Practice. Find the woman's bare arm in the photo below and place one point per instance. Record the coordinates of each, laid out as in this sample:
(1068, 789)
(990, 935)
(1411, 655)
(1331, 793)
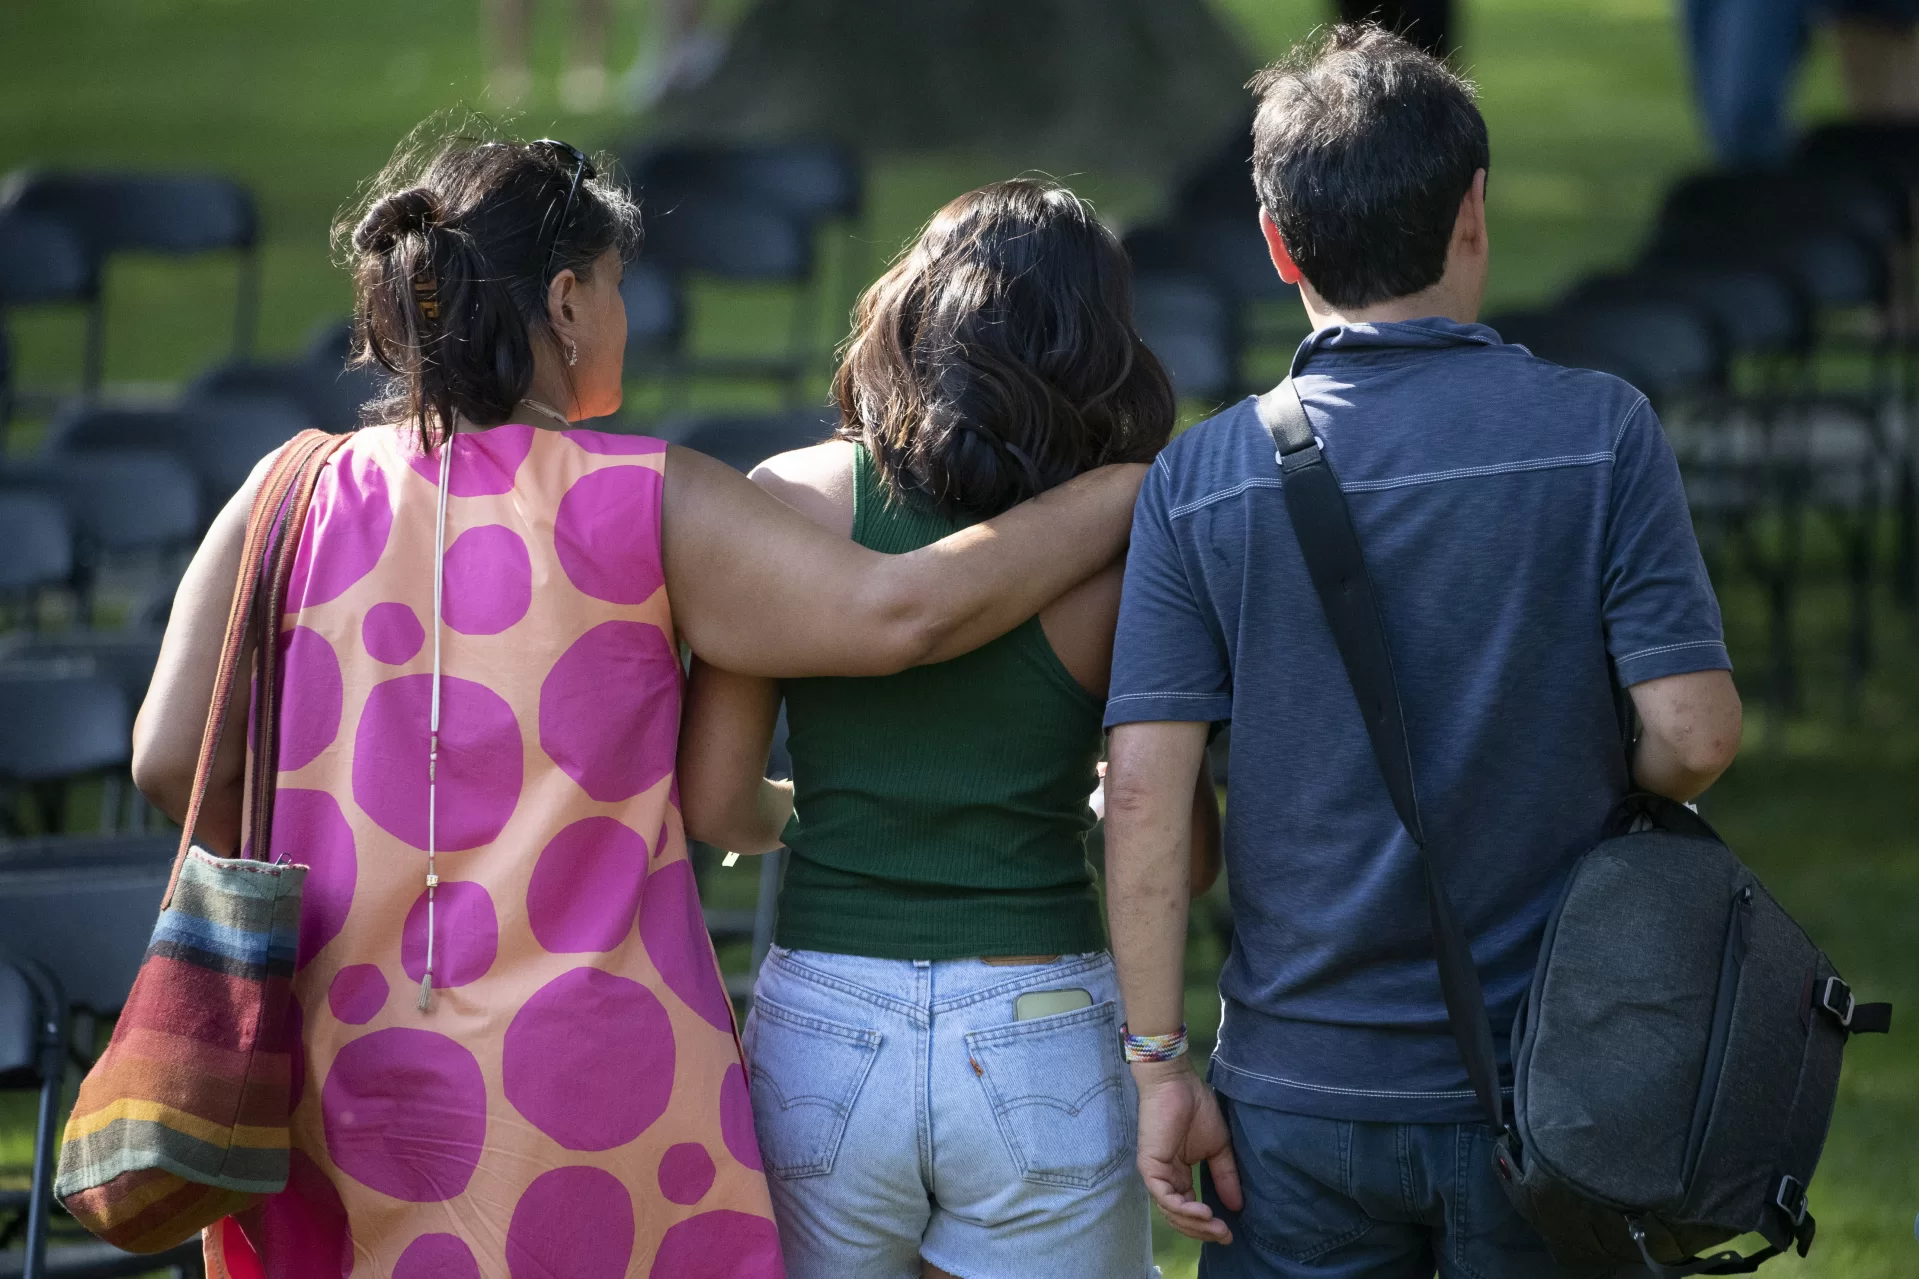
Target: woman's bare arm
(173, 718)
(726, 730)
(759, 589)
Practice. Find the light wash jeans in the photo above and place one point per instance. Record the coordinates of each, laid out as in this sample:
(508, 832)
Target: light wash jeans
(903, 1113)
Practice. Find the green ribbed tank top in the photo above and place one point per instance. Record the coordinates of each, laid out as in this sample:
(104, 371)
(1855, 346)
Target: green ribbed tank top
(941, 813)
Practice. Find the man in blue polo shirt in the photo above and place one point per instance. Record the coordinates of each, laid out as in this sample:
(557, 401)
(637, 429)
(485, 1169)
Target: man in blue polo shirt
(1528, 538)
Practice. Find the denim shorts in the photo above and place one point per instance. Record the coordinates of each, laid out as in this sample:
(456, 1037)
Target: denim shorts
(903, 1113)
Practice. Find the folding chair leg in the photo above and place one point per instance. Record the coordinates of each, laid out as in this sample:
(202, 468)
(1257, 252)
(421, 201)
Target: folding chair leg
(53, 1073)
(93, 367)
(1905, 576)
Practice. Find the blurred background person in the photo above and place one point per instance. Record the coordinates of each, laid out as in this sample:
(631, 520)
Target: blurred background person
(1744, 55)
(683, 48)
(582, 85)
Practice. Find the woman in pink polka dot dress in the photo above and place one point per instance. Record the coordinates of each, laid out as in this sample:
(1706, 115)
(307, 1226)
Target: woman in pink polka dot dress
(518, 1060)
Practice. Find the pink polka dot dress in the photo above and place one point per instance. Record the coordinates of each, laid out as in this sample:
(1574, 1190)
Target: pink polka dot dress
(573, 1103)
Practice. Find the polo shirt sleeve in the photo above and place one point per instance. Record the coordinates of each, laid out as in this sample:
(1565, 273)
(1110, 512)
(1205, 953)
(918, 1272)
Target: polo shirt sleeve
(1169, 657)
(1661, 615)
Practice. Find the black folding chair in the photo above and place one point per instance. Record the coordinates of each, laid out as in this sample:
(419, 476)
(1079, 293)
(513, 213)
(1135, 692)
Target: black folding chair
(168, 214)
(38, 539)
(731, 237)
(816, 182)
(58, 726)
(1188, 324)
(119, 504)
(78, 914)
(350, 387)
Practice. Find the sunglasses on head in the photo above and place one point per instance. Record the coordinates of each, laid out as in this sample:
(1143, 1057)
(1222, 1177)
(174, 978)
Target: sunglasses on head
(582, 169)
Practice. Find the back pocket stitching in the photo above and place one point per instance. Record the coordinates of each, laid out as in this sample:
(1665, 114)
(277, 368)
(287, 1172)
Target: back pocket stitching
(1002, 1108)
(841, 1107)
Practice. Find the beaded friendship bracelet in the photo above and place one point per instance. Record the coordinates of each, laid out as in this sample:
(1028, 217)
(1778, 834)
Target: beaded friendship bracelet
(1139, 1048)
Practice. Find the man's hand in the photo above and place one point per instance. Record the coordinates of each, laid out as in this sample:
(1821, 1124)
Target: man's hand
(1180, 1125)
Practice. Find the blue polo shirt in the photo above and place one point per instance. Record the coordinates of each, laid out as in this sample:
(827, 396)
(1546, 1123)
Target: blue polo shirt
(1523, 523)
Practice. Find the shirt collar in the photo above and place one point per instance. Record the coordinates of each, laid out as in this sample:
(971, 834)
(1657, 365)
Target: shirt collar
(1433, 332)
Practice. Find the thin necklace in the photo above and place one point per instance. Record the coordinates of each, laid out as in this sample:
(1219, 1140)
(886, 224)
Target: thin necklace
(540, 407)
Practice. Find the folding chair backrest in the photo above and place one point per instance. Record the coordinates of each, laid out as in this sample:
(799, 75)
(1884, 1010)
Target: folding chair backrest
(1754, 311)
(43, 260)
(88, 428)
(811, 181)
(127, 500)
(1228, 251)
(124, 659)
(155, 213)
(61, 726)
(36, 541)
(224, 437)
(1186, 322)
(731, 237)
(744, 442)
(85, 909)
(1662, 348)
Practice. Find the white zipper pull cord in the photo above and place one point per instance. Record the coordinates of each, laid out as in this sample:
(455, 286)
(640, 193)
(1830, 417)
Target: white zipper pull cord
(433, 725)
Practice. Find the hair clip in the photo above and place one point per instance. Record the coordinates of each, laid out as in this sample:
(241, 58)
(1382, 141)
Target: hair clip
(427, 294)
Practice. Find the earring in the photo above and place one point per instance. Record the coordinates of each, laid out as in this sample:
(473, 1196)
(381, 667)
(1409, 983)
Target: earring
(572, 354)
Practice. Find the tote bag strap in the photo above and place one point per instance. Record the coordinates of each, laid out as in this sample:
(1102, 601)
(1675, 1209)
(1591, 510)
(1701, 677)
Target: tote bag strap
(1324, 526)
(266, 557)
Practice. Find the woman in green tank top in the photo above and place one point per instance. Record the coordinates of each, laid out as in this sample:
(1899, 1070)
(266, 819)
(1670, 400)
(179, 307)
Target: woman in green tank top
(934, 1042)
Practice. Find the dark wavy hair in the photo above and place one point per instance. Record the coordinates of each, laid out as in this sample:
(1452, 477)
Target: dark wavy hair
(997, 357)
(452, 248)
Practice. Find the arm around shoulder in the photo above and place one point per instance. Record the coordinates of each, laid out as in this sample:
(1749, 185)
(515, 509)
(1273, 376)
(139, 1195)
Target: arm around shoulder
(759, 589)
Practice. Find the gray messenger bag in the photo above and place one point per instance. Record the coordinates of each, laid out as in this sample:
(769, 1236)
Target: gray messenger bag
(1676, 1060)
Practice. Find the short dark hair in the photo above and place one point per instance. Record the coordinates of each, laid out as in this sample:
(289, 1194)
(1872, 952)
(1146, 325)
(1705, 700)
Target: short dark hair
(452, 248)
(998, 358)
(1363, 147)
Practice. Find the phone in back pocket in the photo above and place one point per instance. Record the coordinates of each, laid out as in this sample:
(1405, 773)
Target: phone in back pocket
(1047, 1003)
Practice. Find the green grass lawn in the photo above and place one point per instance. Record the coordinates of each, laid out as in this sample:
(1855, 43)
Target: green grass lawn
(1587, 105)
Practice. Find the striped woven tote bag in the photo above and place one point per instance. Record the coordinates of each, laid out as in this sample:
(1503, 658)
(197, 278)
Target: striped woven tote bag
(183, 1119)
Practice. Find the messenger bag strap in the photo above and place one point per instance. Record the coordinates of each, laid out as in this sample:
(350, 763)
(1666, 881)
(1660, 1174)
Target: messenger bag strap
(1324, 527)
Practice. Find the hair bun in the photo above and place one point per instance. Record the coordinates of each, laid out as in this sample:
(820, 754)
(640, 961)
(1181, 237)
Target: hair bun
(405, 212)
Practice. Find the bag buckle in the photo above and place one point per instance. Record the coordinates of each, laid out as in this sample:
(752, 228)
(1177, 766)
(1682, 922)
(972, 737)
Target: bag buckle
(1826, 1002)
(1791, 1199)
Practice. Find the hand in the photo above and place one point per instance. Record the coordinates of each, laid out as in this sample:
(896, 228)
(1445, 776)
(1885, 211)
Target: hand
(1180, 1124)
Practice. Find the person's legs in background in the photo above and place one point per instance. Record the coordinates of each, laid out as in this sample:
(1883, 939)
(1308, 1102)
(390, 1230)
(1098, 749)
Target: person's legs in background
(1743, 55)
(583, 83)
(682, 50)
(511, 23)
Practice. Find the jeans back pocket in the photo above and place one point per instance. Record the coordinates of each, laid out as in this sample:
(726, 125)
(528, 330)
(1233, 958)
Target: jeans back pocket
(807, 1074)
(1058, 1091)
